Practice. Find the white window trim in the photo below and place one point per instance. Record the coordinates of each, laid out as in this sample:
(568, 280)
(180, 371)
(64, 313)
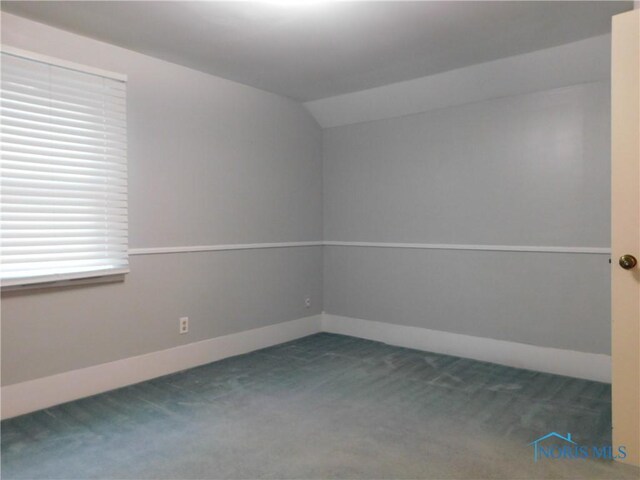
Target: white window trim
(62, 277)
(67, 279)
(37, 57)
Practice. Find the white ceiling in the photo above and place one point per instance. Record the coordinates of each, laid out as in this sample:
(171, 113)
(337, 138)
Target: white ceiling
(323, 49)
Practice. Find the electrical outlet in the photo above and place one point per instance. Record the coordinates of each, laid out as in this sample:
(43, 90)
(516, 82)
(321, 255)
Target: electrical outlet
(184, 325)
(307, 301)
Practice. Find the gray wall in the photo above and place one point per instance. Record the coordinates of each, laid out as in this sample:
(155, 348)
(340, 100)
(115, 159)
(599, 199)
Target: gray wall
(525, 170)
(210, 162)
(215, 162)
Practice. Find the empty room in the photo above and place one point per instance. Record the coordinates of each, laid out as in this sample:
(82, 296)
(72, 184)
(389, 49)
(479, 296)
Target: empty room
(320, 240)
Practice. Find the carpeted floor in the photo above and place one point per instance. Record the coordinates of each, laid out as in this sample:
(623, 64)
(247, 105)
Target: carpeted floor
(325, 406)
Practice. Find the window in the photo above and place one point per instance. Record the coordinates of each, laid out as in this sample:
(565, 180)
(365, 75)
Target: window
(63, 173)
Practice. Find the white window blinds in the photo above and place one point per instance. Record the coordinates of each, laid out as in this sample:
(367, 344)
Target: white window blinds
(63, 173)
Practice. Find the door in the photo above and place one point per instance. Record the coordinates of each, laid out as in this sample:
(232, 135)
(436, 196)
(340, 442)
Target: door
(625, 221)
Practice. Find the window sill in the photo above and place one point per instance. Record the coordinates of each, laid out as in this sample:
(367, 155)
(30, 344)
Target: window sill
(99, 278)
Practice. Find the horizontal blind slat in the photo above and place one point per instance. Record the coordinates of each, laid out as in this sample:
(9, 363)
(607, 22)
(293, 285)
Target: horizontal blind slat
(55, 233)
(104, 177)
(15, 193)
(39, 166)
(34, 142)
(55, 242)
(61, 103)
(61, 208)
(62, 185)
(53, 151)
(40, 87)
(41, 134)
(37, 89)
(12, 104)
(45, 202)
(97, 130)
(62, 159)
(71, 264)
(58, 120)
(9, 261)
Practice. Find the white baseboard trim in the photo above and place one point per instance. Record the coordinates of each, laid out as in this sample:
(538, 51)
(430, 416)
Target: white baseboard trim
(590, 366)
(25, 397)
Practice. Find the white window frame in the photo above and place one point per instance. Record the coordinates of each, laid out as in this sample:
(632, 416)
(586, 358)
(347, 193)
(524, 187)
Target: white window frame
(69, 278)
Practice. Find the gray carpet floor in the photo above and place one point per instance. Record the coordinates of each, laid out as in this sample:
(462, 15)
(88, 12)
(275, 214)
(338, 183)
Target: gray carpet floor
(325, 406)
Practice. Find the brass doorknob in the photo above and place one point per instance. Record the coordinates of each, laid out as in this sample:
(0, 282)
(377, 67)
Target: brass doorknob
(627, 261)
